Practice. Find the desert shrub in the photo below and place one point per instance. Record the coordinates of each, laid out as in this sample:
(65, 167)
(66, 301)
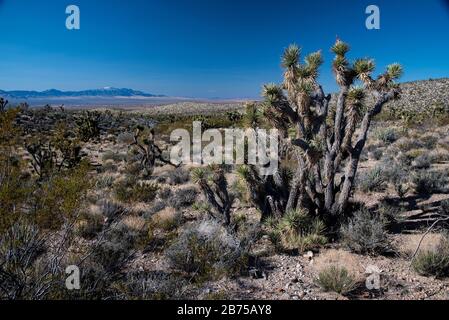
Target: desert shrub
(429, 141)
(20, 247)
(155, 208)
(178, 176)
(111, 210)
(423, 161)
(114, 156)
(297, 230)
(183, 198)
(88, 125)
(376, 154)
(125, 138)
(104, 181)
(90, 225)
(386, 135)
(433, 262)
(167, 219)
(372, 181)
(366, 233)
(206, 249)
(398, 176)
(15, 190)
(108, 167)
(133, 168)
(165, 193)
(444, 208)
(390, 214)
(61, 197)
(336, 279)
(130, 190)
(427, 182)
(407, 144)
(151, 285)
(115, 251)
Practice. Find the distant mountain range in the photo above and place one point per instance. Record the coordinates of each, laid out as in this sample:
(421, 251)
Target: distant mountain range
(107, 92)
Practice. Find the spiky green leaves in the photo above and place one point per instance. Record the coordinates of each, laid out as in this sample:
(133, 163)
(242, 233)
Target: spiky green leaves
(355, 96)
(199, 175)
(291, 56)
(272, 93)
(252, 117)
(314, 59)
(364, 67)
(340, 48)
(395, 71)
(244, 172)
(313, 62)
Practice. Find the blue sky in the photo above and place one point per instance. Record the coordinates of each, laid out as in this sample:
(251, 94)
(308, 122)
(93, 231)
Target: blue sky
(207, 48)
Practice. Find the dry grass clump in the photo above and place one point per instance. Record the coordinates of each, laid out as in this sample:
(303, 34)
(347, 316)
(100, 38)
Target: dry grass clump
(338, 271)
(167, 219)
(134, 223)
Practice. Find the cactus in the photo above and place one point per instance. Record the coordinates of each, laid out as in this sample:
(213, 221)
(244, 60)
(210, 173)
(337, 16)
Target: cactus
(325, 148)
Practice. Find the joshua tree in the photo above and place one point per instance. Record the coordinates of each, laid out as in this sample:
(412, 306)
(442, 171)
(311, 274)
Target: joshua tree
(214, 185)
(147, 150)
(325, 146)
(3, 104)
(88, 125)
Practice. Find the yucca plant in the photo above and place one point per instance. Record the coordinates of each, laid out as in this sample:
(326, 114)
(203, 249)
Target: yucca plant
(214, 186)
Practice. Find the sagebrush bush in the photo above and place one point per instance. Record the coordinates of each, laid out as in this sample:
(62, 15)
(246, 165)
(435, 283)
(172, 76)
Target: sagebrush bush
(372, 181)
(150, 285)
(115, 251)
(178, 176)
(427, 182)
(114, 156)
(20, 247)
(183, 197)
(366, 233)
(165, 193)
(336, 279)
(111, 210)
(398, 176)
(423, 161)
(105, 181)
(89, 225)
(433, 262)
(387, 135)
(207, 250)
(130, 190)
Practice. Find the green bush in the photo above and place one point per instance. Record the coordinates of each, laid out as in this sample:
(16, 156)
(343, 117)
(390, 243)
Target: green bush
(387, 135)
(372, 181)
(366, 233)
(207, 250)
(433, 262)
(130, 190)
(336, 279)
(427, 182)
